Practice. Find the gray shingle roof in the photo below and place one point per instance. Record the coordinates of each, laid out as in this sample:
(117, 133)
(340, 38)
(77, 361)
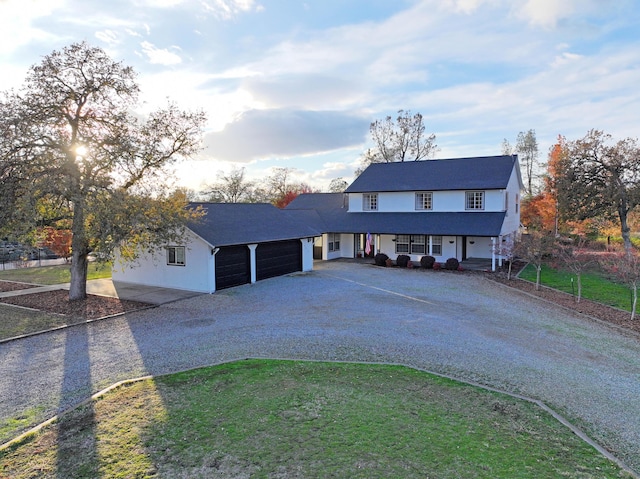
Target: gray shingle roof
(484, 172)
(228, 224)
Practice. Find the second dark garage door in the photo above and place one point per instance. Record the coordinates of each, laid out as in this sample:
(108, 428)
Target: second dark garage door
(278, 258)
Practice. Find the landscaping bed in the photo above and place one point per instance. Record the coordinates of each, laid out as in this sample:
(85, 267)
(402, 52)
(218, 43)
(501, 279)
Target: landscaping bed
(6, 286)
(93, 307)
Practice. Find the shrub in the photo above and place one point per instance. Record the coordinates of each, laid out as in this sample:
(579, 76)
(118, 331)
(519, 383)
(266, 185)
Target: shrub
(402, 260)
(427, 262)
(452, 264)
(436, 266)
(380, 259)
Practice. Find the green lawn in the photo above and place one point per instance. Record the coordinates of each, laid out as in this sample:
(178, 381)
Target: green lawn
(18, 321)
(595, 286)
(263, 418)
(54, 274)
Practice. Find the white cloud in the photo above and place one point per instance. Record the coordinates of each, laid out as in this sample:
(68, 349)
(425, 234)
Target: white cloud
(546, 13)
(18, 22)
(227, 9)
(108, 36)
(284, 133)
(564, 58)
(160, 56)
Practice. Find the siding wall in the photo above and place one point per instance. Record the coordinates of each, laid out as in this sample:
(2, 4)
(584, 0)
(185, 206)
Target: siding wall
(443, 201)
(151, 269)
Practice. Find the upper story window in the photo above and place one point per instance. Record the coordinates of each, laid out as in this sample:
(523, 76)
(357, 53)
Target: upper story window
(175, 255)
(474, 200)
(517, 202)
(370, 202)
(424, 200)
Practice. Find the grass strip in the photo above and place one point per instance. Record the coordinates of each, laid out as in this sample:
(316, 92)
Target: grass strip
(264, 418)
(595, 286)
(54, 274)
(19, 321)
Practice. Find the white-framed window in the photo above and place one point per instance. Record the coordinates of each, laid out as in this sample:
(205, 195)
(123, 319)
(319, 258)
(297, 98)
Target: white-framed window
(435, 245)
(474, 200)
(517, 202)
(370, 202)
(424, 200)
(402, 244)
(410, 244)
(506, 201)
(334, 241)
(418, 244)
(175, 255)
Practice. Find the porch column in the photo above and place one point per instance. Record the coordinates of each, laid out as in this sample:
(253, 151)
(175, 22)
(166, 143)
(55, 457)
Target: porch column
(493, 253)
(307, 254)
(501, 251)
(252, 261)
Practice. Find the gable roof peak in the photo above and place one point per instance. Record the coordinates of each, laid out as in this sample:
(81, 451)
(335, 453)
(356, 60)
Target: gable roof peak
(480, 172)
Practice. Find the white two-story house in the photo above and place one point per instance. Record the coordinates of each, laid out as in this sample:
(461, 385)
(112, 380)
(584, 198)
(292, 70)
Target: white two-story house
(461, 208)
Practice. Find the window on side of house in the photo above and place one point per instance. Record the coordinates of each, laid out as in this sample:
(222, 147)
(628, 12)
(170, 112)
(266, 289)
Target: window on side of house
(334, 241)
(175, 255)
(474, 200)
(402, 244)
(517, 202)
(370, 202)
(418, 244)
(424, 200)
(506, 201)
(435, 242)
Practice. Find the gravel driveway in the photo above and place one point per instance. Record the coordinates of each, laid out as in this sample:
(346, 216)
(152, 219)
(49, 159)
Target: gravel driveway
(456, 324)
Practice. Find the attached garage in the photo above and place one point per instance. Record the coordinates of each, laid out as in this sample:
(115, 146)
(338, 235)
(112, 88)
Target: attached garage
(233, 267)
(277, 258)
(231, 244)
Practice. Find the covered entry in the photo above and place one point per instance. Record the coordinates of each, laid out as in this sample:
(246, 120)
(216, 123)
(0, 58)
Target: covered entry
(277, 258)
(233, 266)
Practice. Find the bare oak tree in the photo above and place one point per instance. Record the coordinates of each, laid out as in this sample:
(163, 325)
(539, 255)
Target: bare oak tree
(527, 149)
(402, 139)
(230, 188)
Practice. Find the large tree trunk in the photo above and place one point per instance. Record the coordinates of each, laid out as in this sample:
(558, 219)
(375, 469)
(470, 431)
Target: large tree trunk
(79, 255)
(624, 229)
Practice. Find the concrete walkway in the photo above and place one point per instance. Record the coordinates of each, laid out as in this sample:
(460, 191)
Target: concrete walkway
(107, 287)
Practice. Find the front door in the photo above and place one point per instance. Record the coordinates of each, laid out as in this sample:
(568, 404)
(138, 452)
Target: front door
(361, 246)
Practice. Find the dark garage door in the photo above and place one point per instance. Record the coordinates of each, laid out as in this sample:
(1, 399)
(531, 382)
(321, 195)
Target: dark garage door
(232, 266)
(278, 258)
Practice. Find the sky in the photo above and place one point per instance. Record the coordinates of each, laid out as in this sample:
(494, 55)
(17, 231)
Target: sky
(296, 84)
